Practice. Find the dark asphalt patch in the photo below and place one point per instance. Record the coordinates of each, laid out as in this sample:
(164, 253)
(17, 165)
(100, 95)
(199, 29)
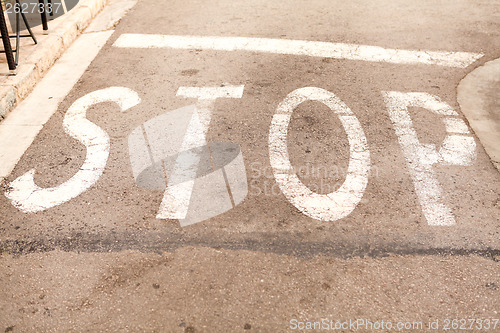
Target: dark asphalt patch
(278, 243)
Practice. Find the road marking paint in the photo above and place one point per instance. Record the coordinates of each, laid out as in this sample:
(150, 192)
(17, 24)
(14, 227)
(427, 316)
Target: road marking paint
(455, 150)
(175, 203)
(21, 126)
(30, 198)
(300, 47)
(323, 207)
(211, 93)
(456, 126)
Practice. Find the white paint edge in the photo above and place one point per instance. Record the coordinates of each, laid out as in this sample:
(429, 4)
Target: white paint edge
(300, 47)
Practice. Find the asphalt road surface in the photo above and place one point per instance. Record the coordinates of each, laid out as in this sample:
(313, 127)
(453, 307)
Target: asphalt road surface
(316, 168)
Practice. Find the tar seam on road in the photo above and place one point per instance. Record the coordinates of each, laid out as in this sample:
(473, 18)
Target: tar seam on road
(158, 243)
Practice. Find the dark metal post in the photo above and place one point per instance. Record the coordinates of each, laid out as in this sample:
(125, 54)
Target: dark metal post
(6, 41)
(51, 11)
(43, 14)
(18, 36)
(26, 23)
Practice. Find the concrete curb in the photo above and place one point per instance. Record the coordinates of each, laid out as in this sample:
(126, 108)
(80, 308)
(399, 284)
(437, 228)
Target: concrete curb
(16, 88)
(479, 97)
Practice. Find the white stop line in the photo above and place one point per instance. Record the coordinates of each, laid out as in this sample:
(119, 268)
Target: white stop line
(300, 47)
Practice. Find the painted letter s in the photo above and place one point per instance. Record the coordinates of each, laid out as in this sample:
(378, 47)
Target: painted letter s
(29, 198)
